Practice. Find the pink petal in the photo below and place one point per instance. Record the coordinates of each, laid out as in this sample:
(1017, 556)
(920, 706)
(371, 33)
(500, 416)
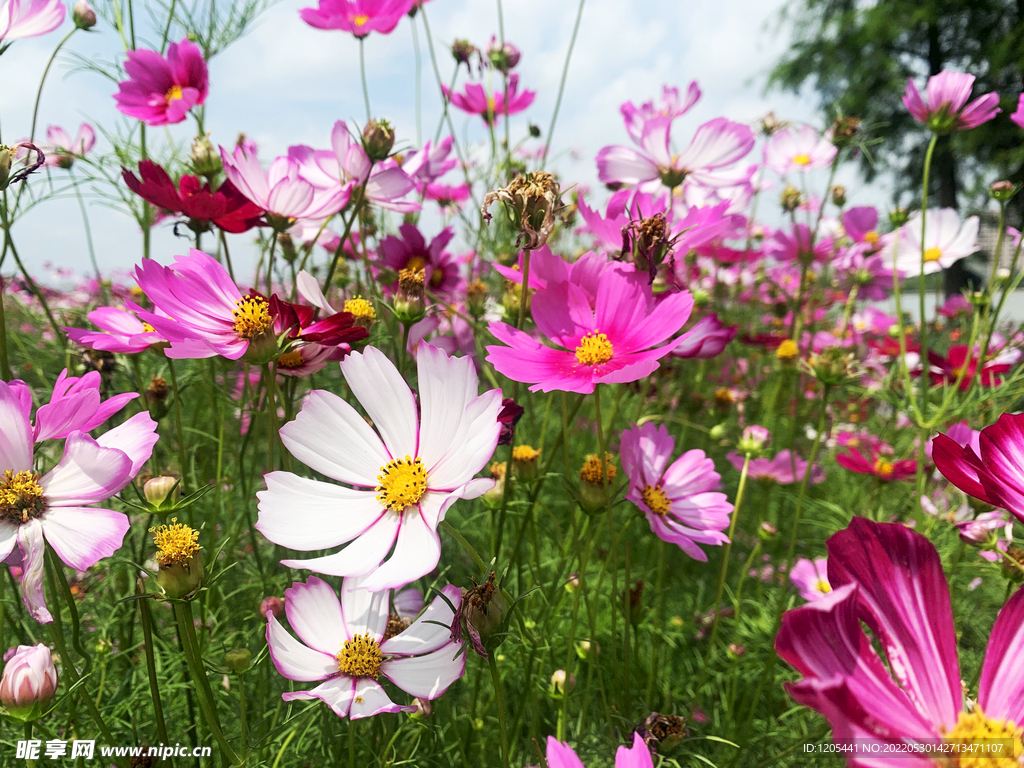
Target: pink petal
(294, 660)
(87, 473)
(81, 536)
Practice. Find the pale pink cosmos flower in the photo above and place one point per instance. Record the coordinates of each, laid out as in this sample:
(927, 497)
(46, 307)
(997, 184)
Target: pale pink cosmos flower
(945, 106)
(162, 90)
(681, 501)
(431, 162)
(784, 469)
(561, 755)
(120, 331)
(476, 101)
(706, 339)
(29, 18)
(671, 105)
(810, 577)
(29, 678)
(798, 149)
(342, 643)
(360, 17)
(946, 241)
(614, 341)
(55, 509)
(402, 482)
(61, 150)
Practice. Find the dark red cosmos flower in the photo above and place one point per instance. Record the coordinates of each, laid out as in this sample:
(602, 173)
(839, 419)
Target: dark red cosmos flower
(226, 207)
(299, 321)
(511, 413)
(890, 346)
(950, 366)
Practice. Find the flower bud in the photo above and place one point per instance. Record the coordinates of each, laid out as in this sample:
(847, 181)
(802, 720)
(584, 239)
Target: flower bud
(1003, 191)
(766, 531)
(662, 733)
(770, 124)
(205, 157)
(838, 195)
(180, 559)
(29, 681)
(502, 57)
(238, 659)
(463, 52)
(845, 130)
(584, 648)
(753, 439)
(476, 299)
(378, 139)
(156, 397)
(496, 494)
(83, 15)
(424, 709)
(525, 459)
(272, 604)
(159, 490)
(790, 198)
(559, 679)
(410, 305)
(898, 217)
(6, 158)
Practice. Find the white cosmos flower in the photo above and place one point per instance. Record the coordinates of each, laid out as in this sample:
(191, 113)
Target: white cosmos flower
(344, 644)
(398, 485)
(945, 242)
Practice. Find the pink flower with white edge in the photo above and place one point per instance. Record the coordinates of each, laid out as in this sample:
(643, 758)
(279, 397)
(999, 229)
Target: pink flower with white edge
(672, 105)
(798, 150)
(75, 406)
(211, 315)
(945, 106)
(810, 577)
(29, 18)
(61, 150)
(120, 331)
(476, 101)
(889, 578)
(681, 501)
(398, 485)
(561, 755)
(946, 241)
(29, 680)
(344, 644)
(163, 90)
(613, 342)
(54, 509)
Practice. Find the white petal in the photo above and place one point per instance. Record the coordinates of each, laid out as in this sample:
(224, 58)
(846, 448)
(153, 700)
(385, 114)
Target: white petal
(305, 514)
(8, 539)
(87, 473)
(416, 554)
(33, 549)
(81, 536)
(314, 613)
(337, 693)
(424, 636)
(135, 437)
(359, 557)
(363, 611)
(370, 700)
(427, 677)
(331, 437)
(388, 401)
(293, 659)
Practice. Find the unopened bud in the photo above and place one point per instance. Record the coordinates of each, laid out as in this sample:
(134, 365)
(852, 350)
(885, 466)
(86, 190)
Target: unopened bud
(790, 198)
(287, 244)
(845, 130)
(378, 139)
(205, 157)
(273, 605)
(159, 490)
(502, 57)
(424, 709)
(83, 15)
(6, 158)
(839, 195)
(29, 681)
(560, 681)
(156, 397)
(238, 659)
(494, 497)
(898, 217)
(1003, 191)
(753, 439)
(833, 366)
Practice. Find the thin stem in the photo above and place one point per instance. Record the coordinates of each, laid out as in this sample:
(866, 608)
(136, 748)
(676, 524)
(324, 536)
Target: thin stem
(5, 367)
(42, 81)
(561, 84)
(28, 737)
(922, 320)
(362, 74)
(154, 682)
(419, 81)
(499, 695)
(178, 426)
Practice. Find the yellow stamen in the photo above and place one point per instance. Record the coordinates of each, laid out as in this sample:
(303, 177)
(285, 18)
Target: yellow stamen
(360, 308)
(21, 496)
(656, 499)
(787, 350)
(147, 328)
(175, 543)
(360, 19)
(594, 349)
(871, 237)
(591, 473)
(401, 483)
(979, 735)
(491, 104)
(252, 316)
(823, 586)
(933, 254)
(884, 468)
(524, 453)
(802, 159)
(416, 263)
(360, 657)
(173, 94)
(291, 360)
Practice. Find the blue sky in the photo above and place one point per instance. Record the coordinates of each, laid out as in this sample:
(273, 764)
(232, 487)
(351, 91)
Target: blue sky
(286, 83)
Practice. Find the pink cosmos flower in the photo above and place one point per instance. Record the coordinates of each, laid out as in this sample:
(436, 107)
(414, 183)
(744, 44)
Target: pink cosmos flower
(409, 250)
(945, 108)
(613, 342)
(784, 469)
(120, 331)
(946, 241)
(795, 245)
(212, 316)
(681, 501)
(798, 149)
(341, 642)
(446, 195)
(879, 464)
(360, 17)
(54, 509)
(548, 269)
(29, 679)
(1018, 114)
(283, 190)
(476, 101)
(716, 144)
(619, 212)
(992, 472)
(75, 406)
(889, 578)
(708, 338)
(431, 162)
(29, 18)
(561, 755)
(161, 91)
(672, 105)
(861, 224)
(404, 481)
(61, 150)
(810, 577)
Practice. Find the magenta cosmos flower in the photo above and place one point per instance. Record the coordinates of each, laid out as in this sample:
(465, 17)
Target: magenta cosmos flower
(161, 91)
(29, 18)
(888, 578)
(55, 508)
(75, 405)
(348, 645)
(402, 482)
(994, 470)
(945, 106)
(879, 464)
(476, 101)
(360, 17)
(708, 338)
(1018, 114)
(672, 105)
(810, 577)
(613, 342)
(681, 500)
(409, 250)
(798, 149)
(716, 144)
(561, 755)
(120, 331)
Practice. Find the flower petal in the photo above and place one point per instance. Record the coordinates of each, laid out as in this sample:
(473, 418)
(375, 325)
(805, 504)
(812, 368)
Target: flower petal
(1001, 690)
(425, 634)
(314, 612)
(15, 432)
(359, 557)
(417, 552)
(388, 401)
(427, 676)
(363, 611)
(87, 473)
(83, 535)
(370, 699)
(294, 660)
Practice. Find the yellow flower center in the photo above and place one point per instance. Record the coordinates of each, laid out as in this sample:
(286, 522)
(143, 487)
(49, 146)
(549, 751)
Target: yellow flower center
(591, 473)
(360, 19)
(871, 237)
(491, 105)
(802, 159)
(360, 657)
(416, 263)
(21, 496)
(401, 483)
(147, 328)
(987, 742)
(175, 543)
(360, 308)
(787, 350)
(883, 468)
(291, 360)
(823, 586)
(524, 453)
(594, 349)
(933, 254)
(656, 500)
(173, 94)
(252, 316)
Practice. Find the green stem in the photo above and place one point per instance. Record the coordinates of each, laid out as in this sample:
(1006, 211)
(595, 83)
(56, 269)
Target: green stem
(561, 84)
(180, 432)
(499, 695)
(922, 320)
(154, 682)
(5, 367)
(42, 80)
(362, 74)
(28, 737)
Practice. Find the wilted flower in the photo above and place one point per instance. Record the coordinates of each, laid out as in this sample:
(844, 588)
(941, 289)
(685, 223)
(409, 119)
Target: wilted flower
(531, 201)
(482, 615)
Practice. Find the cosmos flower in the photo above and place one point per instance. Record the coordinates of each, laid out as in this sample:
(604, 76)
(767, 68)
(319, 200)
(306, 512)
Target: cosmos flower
(409, 250)
(810, 577)
(431, 162)
(29, 18)
(949, 367)
(681, 500)
(671, 105)
(1018, 114)
(404, 481)
(946, 241)
(547, 270)
(360, 17)
(945, 106)
(706, 339)
(615, 341)
(879, 464)
(29, 679)
(349, 643)
(61, 150)
(120, 331)
(159, 90)
(784, 469)
(75, 406)
(561, 755)
(798, 149)
(476, 101)
(55, 508)
(860, 224)
(889, 578)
